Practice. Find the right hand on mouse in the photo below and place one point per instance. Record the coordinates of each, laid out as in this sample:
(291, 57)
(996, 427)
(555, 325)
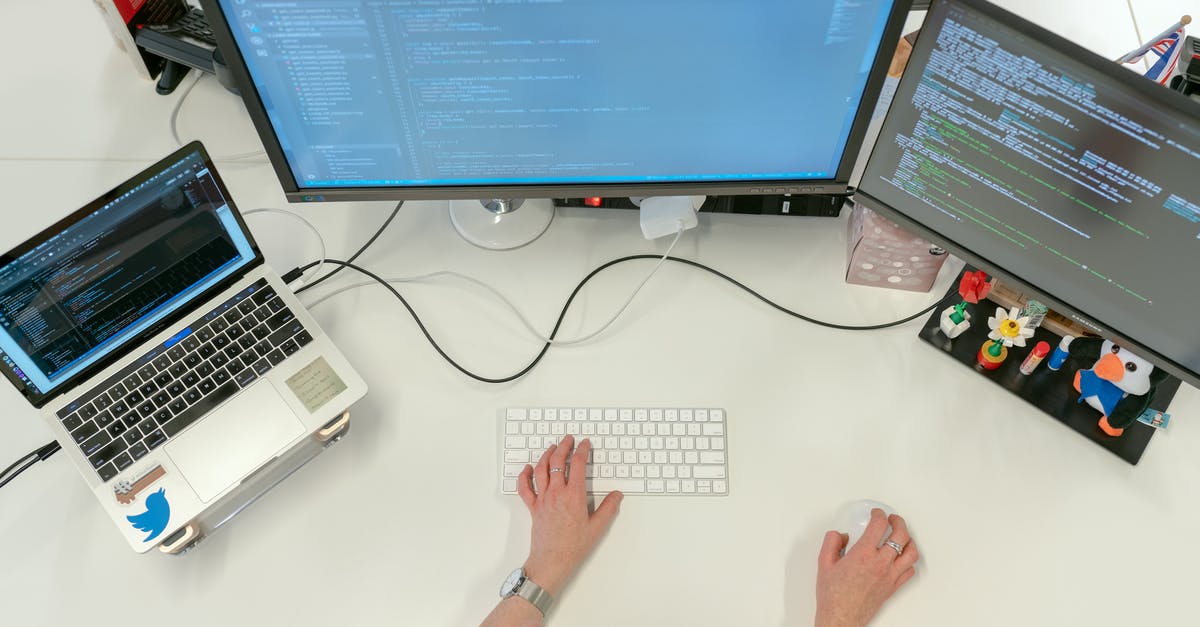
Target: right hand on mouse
(852, 588)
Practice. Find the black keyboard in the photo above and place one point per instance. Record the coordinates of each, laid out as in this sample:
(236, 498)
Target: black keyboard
(178, 382)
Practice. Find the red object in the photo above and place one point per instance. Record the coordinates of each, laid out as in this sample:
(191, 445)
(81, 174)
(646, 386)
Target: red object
(974, 286)
(594, 201)
(1034, 357)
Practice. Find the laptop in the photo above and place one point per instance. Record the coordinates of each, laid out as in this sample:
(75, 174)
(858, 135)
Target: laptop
(169, 361)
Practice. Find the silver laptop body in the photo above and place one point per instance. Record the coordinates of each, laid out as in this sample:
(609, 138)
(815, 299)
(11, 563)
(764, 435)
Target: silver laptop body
(169, 361)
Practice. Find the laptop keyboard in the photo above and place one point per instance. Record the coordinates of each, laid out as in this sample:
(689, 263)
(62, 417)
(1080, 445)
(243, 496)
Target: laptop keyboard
(181, 380)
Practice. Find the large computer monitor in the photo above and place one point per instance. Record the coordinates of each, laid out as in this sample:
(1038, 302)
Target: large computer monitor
(1044, 163)
(452, 99)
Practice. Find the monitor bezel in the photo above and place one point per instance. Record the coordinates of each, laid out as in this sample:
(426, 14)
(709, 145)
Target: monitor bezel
(839, 185)
(1143, 87)
(117, 352)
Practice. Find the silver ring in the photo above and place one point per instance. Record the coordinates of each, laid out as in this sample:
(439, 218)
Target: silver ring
(899, 549)
(554, 470)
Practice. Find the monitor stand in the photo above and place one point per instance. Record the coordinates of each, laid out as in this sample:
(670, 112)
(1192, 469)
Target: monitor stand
(496, 224)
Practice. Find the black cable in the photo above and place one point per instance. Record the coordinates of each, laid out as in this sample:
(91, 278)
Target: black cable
(356, 254)
(566, 307)
(41, 453)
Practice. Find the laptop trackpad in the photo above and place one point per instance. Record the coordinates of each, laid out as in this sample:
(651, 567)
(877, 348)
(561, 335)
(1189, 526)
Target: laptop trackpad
(226, 445)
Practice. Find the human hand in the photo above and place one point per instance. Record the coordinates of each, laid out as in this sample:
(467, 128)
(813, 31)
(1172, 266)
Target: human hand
(563, 532)
(852, 588)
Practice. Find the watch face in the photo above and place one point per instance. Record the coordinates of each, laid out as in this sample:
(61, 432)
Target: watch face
(509, 587)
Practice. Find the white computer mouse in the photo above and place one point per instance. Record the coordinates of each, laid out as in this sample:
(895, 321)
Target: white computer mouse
(853, 517)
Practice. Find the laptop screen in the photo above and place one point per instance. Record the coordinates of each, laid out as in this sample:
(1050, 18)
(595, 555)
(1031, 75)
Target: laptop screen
(79, 291)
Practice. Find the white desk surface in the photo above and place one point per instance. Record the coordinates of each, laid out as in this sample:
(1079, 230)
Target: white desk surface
(1020, 520)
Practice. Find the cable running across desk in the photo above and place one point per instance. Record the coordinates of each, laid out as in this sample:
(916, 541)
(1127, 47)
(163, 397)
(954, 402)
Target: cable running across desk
(570, 299)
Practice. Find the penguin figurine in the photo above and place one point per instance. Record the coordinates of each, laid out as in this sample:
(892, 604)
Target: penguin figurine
(1120, 385)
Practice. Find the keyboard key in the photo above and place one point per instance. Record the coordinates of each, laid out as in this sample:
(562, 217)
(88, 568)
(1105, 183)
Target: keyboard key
(261, 332)
(275, 357)
(178, 370)
(206, 351)
(246, 377)
(235, 366)
(178, 405)
(102, 402)
(116, 429)
(163, 415)
(146, 372)
(137, 451)
(285, 332)
(261, 367)
(289, 348)
(175, 389)
(263, 296)
(205, 369)
(130, 383)
(247, 341)
(87, 411)
(155, 439)
(220, 342)
(190, 379)
(176, 353)
(195, 412)
(627, 486)
(163, 379)
(147, 427)
(162, 362)
(134, 398)
(220, 359)
(220, 376)
(190, 343)
(206, 386)
(122, 461)
(218, 326)
(84, 431)
(161, 399)
(246, 306)
(72, 422)
(95, 444)
(106, 472)
(204, 335)
(303, 338)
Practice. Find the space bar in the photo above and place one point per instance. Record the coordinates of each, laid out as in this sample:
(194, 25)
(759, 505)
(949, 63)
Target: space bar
(604, 486)
(202, 407)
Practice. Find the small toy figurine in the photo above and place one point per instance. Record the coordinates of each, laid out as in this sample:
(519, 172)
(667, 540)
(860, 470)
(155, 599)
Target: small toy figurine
(955, 320)
(1120, 385)
(1008, 329)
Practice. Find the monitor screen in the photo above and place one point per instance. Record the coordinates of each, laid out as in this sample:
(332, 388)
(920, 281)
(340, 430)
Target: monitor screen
(441, 98)
(76, 293)
(1052, 166)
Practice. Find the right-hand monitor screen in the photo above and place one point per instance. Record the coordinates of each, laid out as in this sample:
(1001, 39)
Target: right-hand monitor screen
(1073, 180)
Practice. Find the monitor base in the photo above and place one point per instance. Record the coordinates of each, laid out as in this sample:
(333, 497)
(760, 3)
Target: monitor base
(501, 231)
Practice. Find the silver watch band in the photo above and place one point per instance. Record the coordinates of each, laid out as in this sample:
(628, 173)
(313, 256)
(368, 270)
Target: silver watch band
(533, 593)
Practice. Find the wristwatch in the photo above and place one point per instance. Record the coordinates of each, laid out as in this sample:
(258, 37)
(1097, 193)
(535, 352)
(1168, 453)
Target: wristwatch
(518, 584)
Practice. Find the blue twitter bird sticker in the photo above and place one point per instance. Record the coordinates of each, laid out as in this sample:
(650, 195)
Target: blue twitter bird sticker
(154, 519)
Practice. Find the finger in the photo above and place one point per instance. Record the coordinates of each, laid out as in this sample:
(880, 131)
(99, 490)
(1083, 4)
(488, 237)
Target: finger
(873, 535)
(907, 558)
(559, 460)
(525, 488)
(831, 548)
(541, 472)
(905, 576)
(578, 479)
(602, 518)
(899, 530)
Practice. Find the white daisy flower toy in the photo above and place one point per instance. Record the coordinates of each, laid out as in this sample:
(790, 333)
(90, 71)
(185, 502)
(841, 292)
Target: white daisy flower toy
(1009, 328)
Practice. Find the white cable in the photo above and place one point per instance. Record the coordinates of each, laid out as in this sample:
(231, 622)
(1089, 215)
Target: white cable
(320, 240)
(511, 305)
(174, 123)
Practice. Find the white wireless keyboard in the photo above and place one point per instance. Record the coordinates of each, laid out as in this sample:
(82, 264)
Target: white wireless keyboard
(660, 451)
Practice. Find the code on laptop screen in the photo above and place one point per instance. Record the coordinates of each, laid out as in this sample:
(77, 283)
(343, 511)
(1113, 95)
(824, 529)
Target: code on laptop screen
(77, 295)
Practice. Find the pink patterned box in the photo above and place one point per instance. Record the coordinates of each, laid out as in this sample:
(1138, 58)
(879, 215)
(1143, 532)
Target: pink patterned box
(882, 254)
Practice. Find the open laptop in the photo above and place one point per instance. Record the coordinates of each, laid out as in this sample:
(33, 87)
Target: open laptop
(169, 360)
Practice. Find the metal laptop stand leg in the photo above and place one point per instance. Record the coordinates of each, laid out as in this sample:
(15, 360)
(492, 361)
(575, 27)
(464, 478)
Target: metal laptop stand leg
(256, 485)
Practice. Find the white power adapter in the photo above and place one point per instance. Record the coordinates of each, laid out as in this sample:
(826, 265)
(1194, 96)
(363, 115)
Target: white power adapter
(667, 215)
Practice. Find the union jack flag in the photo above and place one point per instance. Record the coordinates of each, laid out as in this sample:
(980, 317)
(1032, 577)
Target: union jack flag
(1167, 50)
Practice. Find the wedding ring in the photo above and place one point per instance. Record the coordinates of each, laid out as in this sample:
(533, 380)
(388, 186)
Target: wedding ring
(554, 470)
(899, 549)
